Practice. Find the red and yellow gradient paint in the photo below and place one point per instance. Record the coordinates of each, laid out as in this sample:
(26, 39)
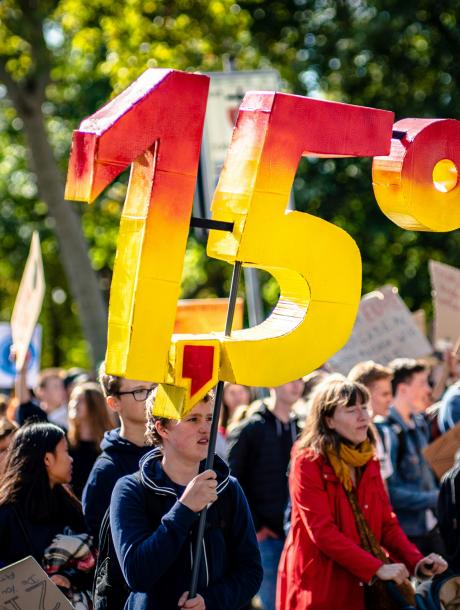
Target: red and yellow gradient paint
(416, 185)
(156, 126)
(316, 264)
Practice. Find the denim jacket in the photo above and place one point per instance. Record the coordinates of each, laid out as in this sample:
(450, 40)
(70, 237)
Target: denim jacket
(412, 486)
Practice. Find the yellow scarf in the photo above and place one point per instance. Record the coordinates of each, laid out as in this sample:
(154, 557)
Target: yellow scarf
(349, 457)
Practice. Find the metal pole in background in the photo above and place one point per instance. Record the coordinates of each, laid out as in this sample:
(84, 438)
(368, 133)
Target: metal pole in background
(214, 429)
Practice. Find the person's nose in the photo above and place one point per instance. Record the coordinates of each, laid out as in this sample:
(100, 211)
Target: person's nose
(205, 425)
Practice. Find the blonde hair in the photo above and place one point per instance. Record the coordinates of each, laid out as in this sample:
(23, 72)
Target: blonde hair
(151, 433)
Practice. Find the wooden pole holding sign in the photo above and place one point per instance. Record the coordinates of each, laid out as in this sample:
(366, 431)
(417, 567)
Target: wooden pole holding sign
(28, 303)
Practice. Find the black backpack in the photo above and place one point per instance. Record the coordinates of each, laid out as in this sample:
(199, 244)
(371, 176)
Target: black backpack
(449, 514)
(110, 590)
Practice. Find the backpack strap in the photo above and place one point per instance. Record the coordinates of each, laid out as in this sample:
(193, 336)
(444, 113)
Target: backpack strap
(400, 438)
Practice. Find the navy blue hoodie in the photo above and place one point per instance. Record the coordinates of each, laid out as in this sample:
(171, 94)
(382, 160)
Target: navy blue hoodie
(156, 558)
(119, 457)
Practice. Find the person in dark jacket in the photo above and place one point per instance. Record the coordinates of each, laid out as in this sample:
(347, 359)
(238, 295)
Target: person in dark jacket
(449, 513)
(154, 517)
(89, 419)
(259, 454)
(121, 448)
(35, 504)
(412, 486)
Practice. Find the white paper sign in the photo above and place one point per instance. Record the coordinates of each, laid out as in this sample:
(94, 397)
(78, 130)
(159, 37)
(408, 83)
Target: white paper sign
(25, 586)
(384, 330)
(28, 302)
(445, 281)
(8, 367)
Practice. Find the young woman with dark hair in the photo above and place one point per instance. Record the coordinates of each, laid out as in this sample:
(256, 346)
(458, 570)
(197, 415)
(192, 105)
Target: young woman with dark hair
(344, 538)
(89, 419)
(35, 502)
(154, 517)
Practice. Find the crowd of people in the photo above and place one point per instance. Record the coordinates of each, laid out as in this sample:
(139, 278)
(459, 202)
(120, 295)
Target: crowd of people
(320, 494)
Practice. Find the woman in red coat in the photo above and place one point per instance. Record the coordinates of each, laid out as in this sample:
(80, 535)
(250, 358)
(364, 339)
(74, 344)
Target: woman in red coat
(344, 538)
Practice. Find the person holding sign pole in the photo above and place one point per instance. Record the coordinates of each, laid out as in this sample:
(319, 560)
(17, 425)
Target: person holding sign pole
(154, 515)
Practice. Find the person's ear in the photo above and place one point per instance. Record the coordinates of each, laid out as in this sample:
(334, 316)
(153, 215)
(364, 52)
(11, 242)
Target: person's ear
(161, 429)
(48, 459)
(329, 423)
(112, 403)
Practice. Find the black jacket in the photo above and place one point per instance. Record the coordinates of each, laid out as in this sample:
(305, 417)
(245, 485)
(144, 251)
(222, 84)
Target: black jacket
(119, 457)
(155, 539)
(259, 454)
(20, 536)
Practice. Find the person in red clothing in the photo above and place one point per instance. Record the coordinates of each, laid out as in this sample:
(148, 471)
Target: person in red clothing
(344, 538)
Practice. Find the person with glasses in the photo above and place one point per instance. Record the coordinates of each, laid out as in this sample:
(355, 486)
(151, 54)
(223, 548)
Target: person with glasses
(121, 449)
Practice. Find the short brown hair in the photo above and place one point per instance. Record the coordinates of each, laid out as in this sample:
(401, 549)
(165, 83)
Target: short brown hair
(151, 434)
(404, 369)
(327, 396)
(110, 384)
(369, 372)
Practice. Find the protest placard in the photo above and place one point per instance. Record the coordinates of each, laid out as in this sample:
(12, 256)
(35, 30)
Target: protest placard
(28, 302)
(206, 315)
(8, 367)
(440, 454)
(445, 281)
(384, 330)
(24, 585)
(419, 317)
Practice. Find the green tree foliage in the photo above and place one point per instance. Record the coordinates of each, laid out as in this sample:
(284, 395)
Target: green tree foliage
(90, 51)
(394, 55)
(399, 56)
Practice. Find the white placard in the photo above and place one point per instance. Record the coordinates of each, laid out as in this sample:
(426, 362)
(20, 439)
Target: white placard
(384, 330)
(24, 585)
(29, 302)
(226, 91)
(445, 281)
(8, 367)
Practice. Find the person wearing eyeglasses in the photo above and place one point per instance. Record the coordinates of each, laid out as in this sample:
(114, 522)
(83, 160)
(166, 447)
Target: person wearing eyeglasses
(121, 448)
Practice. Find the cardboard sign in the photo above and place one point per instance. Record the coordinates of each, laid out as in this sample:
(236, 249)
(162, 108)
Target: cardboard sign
(320, 285)
(25, 586)
(28, 302)
(384, 330)
(440, 454)
(206, 315)
(445, 281)
(419, 317)
(8, 367)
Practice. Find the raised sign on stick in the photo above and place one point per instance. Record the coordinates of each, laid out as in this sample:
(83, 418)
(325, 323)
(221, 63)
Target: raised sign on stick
(28, 303)
(384, 329)
(445, 281)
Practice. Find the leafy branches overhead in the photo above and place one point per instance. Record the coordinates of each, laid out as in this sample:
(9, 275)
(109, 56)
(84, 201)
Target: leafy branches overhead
(60, 60)
(387, 54)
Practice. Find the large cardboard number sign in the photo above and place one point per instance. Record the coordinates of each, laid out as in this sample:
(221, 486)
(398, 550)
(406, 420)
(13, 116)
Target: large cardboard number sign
(156, 125)
(415, 185)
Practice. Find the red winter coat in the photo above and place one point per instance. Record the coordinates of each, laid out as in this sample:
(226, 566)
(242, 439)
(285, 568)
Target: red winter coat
(323, 566)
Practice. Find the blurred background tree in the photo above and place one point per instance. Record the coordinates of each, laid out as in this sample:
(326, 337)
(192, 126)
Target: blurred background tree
(65, 58)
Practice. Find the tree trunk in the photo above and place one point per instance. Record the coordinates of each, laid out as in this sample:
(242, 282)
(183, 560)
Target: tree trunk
(81, 277)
